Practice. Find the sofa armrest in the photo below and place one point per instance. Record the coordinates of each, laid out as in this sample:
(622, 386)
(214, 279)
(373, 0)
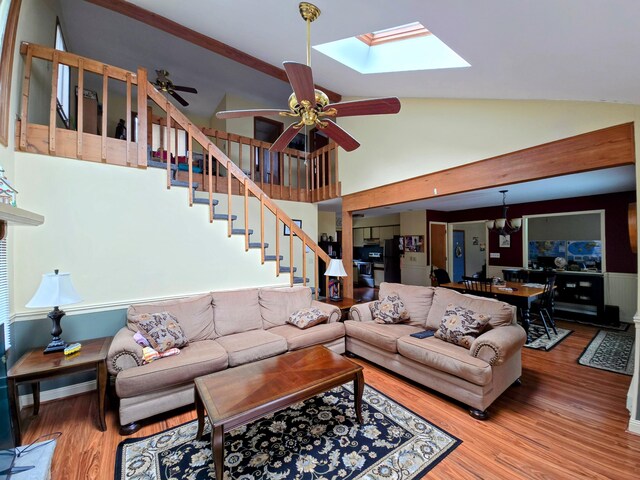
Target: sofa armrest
(495, 346)
(361, 312)
(124, 352)
(332, 311)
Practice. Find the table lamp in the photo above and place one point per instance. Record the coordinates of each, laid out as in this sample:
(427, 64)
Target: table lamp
(55, 290)
(336, 269)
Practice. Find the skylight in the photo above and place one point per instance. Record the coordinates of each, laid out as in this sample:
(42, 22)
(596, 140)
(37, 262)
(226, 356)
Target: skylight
(399, 49)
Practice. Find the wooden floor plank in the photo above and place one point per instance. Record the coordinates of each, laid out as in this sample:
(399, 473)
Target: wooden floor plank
(566, 421)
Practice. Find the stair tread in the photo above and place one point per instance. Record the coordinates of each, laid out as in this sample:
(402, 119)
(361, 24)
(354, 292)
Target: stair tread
(156, 164)
(271, 258)
(257, 245)
(299, 280)
(224, 216)
(287, 269)
(183, 183)
(205, 201)
(240, 231)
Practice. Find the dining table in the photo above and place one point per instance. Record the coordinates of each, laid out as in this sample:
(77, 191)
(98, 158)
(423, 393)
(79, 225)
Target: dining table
(521, 295)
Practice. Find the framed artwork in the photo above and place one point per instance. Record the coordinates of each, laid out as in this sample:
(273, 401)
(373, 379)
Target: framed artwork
(287, 230)
(505, 241)
(475, 240)
(414, 243)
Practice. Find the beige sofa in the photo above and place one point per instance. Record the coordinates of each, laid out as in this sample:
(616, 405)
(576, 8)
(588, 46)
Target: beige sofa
(475, 377)
(224, 329)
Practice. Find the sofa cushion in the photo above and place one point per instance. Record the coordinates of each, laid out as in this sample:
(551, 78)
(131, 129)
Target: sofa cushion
(446, 357)
(196, 359)
(195, 315)
(319, 334)
(162, 330)
(501, 313)
(389, 309)
(277, 304)
(417, 300)
(236, 311)
(246, 347)
(383, 336)
(461, 326)
(307, 317)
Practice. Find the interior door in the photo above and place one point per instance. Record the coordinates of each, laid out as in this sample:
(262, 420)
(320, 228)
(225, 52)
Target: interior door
(458, 255)
(438, 242)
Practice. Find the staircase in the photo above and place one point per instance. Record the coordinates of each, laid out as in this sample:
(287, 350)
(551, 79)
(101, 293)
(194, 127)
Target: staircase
(234, 191)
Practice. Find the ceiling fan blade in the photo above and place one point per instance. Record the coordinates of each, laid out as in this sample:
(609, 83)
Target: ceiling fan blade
(179, 98)
(301, 80)
(371, 106)
(185, 89)
(259, 112)
(338, 135)
(283, 140)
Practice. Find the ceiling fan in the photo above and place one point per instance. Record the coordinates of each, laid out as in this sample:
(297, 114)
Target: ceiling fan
(164, 83)
(311, 105)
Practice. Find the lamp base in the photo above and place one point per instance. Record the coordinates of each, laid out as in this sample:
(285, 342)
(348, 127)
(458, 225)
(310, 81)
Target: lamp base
(335, 299)
(56, 345)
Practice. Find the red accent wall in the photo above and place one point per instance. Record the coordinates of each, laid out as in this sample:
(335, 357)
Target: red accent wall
(619, 256)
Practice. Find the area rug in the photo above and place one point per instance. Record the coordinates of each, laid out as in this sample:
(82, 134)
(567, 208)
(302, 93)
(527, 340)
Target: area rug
(612, 351)
(539, 339)
(318, 438)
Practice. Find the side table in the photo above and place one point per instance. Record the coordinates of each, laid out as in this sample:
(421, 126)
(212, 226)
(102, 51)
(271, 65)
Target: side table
(344, 305)
(34, 366)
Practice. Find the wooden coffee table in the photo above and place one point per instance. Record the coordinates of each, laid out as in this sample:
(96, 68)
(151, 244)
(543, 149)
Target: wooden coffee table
(240, 395)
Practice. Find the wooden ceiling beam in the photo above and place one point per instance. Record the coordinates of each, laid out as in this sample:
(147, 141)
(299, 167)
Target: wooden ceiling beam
(177, 30)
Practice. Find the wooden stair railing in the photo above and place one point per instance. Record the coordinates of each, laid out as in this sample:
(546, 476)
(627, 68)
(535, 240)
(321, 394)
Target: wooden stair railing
(48, 139)
(173, 117)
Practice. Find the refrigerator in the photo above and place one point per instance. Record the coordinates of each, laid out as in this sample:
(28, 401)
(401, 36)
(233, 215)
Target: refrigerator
(392, 260)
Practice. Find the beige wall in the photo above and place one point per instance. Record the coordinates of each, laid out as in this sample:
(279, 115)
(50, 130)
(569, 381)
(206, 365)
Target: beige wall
(413, 265)
(327, 224)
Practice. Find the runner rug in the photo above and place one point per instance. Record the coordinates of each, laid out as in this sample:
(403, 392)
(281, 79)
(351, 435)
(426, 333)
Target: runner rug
(610, 350)
(539, 339)
(318, 438)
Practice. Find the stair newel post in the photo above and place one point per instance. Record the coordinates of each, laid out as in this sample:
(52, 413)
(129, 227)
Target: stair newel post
(26, 81)
(210, 182)
(190, 160)
(143, 121)
(262, 228)
(316, 277)
(167, 147)
(229, 197)
(128, 121)
(53, 106)
(304, 260)
(291, 225)
(80, 107)
(105, 98)
(278, 243)
(246, 215)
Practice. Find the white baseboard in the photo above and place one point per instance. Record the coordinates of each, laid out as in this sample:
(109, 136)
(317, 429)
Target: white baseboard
(634, 427)
(58, 393)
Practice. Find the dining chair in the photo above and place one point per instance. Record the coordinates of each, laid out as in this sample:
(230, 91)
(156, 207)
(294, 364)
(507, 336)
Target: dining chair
(520, 276)
(441, 276)
(543, 307)
(475, 284)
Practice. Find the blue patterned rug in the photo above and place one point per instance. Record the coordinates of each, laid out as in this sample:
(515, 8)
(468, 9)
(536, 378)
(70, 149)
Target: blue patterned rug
(318, 438)
(610, 350)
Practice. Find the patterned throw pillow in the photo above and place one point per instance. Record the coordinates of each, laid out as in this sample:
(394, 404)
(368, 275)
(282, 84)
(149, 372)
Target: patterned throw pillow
(389, 309)
(461, 326)
(162, 330)
(307, 317)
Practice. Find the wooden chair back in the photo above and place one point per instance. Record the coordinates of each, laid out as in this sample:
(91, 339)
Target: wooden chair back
(477, 284)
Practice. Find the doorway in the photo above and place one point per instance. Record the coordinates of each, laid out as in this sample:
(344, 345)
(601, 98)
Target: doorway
(458, 255)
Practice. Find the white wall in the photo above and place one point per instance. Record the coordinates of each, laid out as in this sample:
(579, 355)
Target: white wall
(125, 237)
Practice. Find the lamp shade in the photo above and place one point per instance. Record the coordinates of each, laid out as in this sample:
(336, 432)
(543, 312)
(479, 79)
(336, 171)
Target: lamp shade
(55, 290)
(336, 269)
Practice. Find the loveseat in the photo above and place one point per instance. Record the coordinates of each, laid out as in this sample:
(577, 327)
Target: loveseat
(224, 330)
(475, 376)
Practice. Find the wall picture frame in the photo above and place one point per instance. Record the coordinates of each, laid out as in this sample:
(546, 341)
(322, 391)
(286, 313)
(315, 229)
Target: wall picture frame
(505, 241)
(287, 230)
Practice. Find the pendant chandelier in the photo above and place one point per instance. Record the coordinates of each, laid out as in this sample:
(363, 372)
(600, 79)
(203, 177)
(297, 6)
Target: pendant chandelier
(502, 225)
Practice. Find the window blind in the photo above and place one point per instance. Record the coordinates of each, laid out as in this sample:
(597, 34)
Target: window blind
(4, 293)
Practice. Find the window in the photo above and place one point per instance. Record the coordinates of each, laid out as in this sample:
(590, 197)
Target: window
(63, 79)
(9, 11)
(4, 294)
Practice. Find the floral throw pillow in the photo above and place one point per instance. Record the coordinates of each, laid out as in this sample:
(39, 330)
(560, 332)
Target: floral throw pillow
(389, 309)
(162, 330)
(307, 317)
(461, 326)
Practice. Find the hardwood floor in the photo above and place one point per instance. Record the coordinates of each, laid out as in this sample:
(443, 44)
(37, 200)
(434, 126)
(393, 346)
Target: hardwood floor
(566, 421)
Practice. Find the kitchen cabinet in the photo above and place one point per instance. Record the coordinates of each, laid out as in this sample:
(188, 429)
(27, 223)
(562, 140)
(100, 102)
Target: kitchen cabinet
(374, 232)
(358, 237)
(386, 233)
(396, 230)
